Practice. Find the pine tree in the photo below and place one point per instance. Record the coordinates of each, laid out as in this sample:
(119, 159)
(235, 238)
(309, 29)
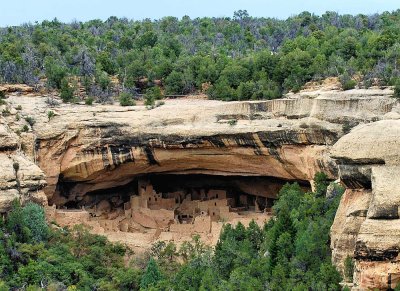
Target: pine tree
(151, 276)
(66, 91)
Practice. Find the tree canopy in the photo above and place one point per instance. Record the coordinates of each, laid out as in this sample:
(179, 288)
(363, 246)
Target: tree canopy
(235, 58)
(290, 252)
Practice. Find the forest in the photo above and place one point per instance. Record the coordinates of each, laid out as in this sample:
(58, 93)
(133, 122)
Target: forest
(231, 58)
(290, 252)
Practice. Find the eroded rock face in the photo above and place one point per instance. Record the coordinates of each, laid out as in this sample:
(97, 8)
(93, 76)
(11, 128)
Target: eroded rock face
(350, 215)
(20, 178)
(100, 147)
(371, 236)
(110, 148)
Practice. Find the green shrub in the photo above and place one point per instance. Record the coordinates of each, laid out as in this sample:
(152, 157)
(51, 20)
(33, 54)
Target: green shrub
(174, 83)
(19, 107)
(87, 84)
(6, 112)
(55, 72)
(34, 219)
(155, 93)
(30, 120)
(349, 85)
(103, 80)
(246, 90)
(50, 114)
(232, 122)
(2, 95)
(321, 184)
(66, 91)
(347, 82)
(23, 223)
(89, 100)
(25, 128)
(4, 286)
(222, 90)
(128, 279)
(349, 268)
(125, 99)
(396, 93)
(149, 101)
(152, 95)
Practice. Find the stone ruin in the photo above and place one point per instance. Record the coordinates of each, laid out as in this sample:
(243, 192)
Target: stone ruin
(169, 215)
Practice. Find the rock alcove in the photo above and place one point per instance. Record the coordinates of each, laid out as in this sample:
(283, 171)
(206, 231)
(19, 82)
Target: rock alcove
(159, 200)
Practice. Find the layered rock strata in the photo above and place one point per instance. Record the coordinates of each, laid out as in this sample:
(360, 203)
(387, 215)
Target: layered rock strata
(20, 178)
(99, 147)
(367, 225)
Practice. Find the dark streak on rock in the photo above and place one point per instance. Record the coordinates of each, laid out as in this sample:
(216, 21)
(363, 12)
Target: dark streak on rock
(8, 148)
(355, 176)
(150, 156)
(273, 151)
(104, 157)
(121, 151)
(362, 252)
(216, 141)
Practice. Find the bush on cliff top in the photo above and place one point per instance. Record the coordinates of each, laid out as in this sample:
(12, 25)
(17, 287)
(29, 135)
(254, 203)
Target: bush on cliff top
(125, 99)
(397, 90)
(239, 57)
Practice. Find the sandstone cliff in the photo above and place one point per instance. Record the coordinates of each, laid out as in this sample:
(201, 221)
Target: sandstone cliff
(20, 178)
(99, 147)
(367, 225)
(83, 149)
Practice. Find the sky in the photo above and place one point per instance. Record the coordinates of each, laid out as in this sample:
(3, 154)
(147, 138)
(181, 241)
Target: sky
(16, 12)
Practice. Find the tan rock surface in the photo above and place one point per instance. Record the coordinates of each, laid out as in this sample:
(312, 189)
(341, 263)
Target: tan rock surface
(104, 146)
(20, 178)
(369, 158)
(6, 199)
(8, 139)
(377, 275)
(372, 143)
(27, 183)
(9, 88)
(349, 217)
(379, 238)
(386, 192)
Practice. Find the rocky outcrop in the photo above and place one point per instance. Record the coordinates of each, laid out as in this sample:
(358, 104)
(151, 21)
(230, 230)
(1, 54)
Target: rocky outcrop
(368, 159)
(20, 178)
(350, 215)
(87, 148)
(20, 88)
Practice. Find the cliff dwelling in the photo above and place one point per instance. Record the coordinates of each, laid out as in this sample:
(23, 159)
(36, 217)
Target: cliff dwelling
(169, 205)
